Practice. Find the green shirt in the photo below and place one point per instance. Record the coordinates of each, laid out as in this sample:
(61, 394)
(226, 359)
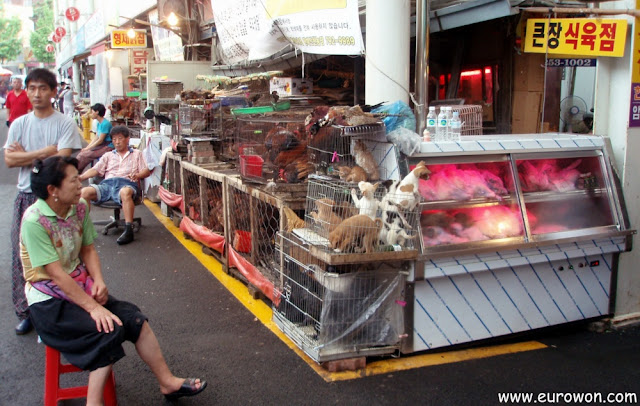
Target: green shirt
(47, 238)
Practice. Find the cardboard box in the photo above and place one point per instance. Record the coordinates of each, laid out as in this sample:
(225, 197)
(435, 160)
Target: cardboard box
(528, 72)
(291, 86)
(525, 117)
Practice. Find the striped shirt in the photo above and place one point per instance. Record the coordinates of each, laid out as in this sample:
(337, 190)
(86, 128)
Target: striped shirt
(112, 165)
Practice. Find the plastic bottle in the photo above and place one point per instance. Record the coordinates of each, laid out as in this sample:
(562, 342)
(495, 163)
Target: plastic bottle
(432, 119)
(455, 127)
(449, 111)
(441, 126)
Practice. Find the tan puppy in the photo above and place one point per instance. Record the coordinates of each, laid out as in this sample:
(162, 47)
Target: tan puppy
(355, 174)
(325, 216)
(354, 229)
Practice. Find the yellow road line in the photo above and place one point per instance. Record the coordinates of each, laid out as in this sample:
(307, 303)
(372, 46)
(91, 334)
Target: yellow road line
(263, 313)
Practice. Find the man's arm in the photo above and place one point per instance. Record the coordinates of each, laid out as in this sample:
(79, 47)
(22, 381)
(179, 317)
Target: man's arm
(89, 173)
(16, 156)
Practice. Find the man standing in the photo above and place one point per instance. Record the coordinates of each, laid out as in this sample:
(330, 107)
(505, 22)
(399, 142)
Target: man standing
(17, 102)
(122, 170)
(39, 134)
(101, 143)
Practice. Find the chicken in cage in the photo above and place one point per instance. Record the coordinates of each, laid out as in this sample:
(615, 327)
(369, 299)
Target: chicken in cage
(192, 201)
(215, 206)
(273, 147)
(200, 119)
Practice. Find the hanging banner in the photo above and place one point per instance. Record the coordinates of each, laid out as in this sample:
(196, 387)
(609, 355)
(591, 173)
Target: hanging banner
(120, 39)
(138, 59)
(576, 36)
(257, 29)
(634, 108)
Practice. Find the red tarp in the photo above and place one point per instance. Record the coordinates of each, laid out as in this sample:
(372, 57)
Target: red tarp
(253, 275)
(171, 199)
(202, 234)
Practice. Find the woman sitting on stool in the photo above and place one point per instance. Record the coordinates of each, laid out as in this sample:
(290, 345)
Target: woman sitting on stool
(70, 305)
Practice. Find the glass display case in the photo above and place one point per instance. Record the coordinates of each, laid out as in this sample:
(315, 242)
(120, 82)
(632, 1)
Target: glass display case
(514, 199)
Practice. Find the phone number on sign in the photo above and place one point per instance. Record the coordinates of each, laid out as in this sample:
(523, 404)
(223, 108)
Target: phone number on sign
(571, 62)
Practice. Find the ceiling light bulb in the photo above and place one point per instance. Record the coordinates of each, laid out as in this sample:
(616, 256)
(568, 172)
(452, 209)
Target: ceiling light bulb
(172, 19)
(131, 33)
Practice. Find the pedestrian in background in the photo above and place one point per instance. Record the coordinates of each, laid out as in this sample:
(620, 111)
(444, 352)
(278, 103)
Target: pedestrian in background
(17, 101)
(42, 133)
(101, 143)
(67, 100)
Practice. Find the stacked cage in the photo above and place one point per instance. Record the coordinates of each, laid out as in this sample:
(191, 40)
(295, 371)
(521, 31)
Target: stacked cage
(334, 312)
(272, 147)
(125, 110)
(201, 119)
(335, 150)
(191, 193)
(471, 118)
(345, 223)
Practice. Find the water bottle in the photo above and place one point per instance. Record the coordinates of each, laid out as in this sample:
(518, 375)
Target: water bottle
(432, 119)
(455, 127)
(441, 126)
(448, 111)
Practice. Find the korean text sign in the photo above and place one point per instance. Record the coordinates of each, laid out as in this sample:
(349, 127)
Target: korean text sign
(576, 36)
(120, 39)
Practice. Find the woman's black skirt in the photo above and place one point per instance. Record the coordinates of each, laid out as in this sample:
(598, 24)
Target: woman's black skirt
(70, 329)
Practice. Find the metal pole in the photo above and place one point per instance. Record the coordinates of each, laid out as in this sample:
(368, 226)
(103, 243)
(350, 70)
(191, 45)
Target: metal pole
(422, 63)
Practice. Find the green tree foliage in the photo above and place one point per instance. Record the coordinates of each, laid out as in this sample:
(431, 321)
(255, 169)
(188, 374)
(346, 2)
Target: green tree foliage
(10, 43)
(43, 20)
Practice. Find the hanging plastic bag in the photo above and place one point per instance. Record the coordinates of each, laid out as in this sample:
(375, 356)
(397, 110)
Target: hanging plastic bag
(398, 114)
(407, 141)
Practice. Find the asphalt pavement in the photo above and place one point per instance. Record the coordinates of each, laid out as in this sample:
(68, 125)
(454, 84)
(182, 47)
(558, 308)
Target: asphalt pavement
(210, 332)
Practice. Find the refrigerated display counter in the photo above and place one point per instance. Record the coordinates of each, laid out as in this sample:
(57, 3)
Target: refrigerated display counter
(516, 234)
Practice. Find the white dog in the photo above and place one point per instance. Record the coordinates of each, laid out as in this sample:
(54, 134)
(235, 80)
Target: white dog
(404, 195)
(367, 204)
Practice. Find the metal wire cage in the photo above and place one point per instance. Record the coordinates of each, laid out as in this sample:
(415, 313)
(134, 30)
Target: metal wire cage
(337, 312)
(172, 176)
(345, 219)
(267, 144)
(200, 119)
(332, 147)
(470, 116)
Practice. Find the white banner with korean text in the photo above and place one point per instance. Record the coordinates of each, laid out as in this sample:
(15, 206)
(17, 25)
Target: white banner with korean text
(256, 29)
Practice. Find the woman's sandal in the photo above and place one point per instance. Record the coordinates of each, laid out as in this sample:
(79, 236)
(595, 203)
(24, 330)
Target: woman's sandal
(188, 388)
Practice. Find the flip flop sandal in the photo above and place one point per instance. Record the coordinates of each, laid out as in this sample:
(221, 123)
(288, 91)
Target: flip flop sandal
(188, 388)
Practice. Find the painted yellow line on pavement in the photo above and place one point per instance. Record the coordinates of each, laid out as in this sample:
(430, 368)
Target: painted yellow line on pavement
(263, 313)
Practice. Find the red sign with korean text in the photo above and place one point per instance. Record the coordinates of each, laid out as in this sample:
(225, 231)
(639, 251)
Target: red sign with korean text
(72, 14)
(49, 48)
(56, 38)
(61, 32)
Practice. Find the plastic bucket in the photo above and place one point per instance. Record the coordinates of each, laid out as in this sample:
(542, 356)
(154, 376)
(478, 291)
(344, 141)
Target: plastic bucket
(251, 165)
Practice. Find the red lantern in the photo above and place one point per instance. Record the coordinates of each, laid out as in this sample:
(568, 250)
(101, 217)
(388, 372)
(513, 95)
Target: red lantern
(72, 14)
(56, 38)
(49, 48)
(61, 32)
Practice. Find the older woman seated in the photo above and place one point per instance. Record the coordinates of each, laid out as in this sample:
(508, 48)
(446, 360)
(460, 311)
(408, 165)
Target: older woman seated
(70, 305)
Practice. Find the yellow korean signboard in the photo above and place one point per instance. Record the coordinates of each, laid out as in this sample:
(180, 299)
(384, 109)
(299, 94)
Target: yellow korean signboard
(120, 39)
(576, 36)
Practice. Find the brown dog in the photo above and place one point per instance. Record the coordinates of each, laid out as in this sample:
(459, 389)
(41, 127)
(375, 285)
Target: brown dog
(325, 216)
(356, 228)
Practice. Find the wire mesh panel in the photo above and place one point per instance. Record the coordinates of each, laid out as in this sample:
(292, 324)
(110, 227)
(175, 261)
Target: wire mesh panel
(471, 118)
(191, 196)
(273, 146)
(173, 176)
(255, 217)
(336, 150)
(213, 215)
(334, 312)
(369, 222)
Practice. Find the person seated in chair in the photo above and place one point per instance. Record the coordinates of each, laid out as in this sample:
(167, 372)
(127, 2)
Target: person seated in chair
(122, 170)
(99, 145)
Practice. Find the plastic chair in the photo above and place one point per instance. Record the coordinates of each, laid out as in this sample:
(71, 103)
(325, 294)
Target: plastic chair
(53, 393)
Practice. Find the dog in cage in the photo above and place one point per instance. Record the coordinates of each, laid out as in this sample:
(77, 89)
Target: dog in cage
(357, 233)
(367, 204)
(365, 160)
(405, 195)
(353, 174)
(392, 231)
(325, 217)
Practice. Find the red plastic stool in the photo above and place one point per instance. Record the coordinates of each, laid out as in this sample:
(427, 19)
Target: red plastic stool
(52, 390)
